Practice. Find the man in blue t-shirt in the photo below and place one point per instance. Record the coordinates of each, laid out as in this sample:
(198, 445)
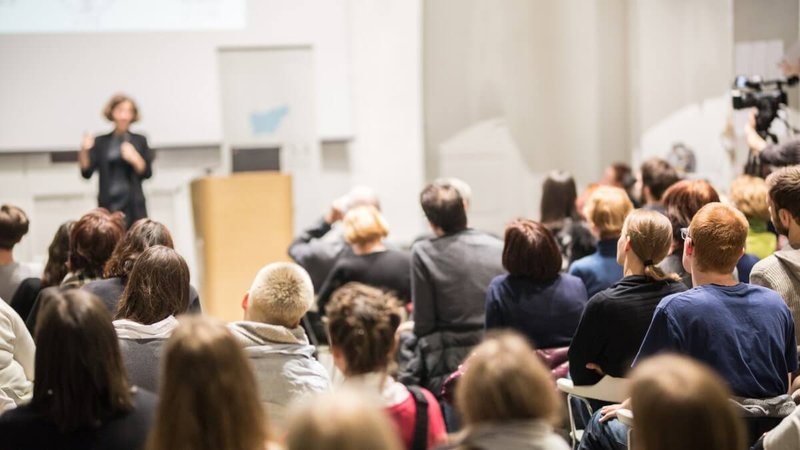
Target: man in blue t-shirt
(744, 332)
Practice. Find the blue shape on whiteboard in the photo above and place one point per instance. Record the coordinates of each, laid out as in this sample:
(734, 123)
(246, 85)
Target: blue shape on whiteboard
(266, 122)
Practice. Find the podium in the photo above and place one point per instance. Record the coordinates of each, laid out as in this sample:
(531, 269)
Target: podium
(242, 222)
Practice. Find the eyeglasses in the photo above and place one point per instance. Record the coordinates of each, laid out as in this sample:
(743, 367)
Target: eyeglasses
(685, 233)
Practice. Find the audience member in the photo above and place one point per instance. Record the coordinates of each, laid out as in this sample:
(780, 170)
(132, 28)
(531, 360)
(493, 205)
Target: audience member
(344, 420)
(54, 271)
(781, 271)
(749, 194)
(744, 332)
(16, 357)
(278, 349)
(559, 214)
(143, 234)
(156, 292)
(534, 298)
(81, 397)
(369, 262)
(657, 176)
(13, 226)
(605, 210)
(680, 404)
(91, 242)
(621, 175)
(682, 200)
(616, 319)
(318, 247)
(362, 326)
(208, 398)
(507, 398)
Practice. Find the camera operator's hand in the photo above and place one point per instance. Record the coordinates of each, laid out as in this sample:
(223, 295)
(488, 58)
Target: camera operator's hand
(754, 140)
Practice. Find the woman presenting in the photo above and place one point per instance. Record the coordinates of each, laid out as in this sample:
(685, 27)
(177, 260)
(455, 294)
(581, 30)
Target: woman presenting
(122, 158)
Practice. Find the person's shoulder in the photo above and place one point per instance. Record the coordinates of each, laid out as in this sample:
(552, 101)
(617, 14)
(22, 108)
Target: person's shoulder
(571, 281)
(763, 294)
(144, 401)
(765, 266)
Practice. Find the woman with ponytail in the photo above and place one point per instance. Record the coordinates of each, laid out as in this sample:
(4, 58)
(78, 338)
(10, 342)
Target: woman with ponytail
(615, 320)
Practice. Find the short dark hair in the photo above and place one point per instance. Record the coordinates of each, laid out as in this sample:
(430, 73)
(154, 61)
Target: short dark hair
(158, 287)
(92, 240)
(144, 233)
(79, 373)
(558, 197)
(531, 250)
(362, 321)
(658, 175)
(784, 190)
(682, 201)
(13, 226)
(115, 101)
(444, 207)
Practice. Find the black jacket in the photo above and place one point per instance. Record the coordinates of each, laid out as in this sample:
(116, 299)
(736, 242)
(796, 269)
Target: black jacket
(134, 205)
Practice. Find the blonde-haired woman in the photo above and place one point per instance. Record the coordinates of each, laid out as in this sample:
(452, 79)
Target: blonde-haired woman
(344, 420)
(749, 195)
(370, 262)
(679, 403)
(615, 320)
(208, 396)
(506, 398)
(605, 210)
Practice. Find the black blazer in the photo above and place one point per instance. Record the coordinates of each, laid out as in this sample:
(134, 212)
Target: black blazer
(98, 156)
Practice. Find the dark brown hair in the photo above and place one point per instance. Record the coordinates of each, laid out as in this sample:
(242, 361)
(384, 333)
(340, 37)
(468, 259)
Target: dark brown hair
(361, 322)
(558, 198)
(13, 225)
(115, 101)
(56, 268)
(208, 396)
(658, 175)
(444, 207)
(80, 377)
(505, 381)
(784, 190)
(92, 240)
(531, 250)
(158, 287)
(142, 234)
(682, 201)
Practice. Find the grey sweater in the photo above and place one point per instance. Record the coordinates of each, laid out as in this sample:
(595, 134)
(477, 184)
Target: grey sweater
(449, 278)
(781, 273)
(141, 346)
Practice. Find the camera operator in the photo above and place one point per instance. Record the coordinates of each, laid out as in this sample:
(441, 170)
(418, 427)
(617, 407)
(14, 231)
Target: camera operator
(784, 154)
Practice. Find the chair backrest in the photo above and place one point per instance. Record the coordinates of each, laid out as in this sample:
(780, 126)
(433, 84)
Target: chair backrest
(608, 389)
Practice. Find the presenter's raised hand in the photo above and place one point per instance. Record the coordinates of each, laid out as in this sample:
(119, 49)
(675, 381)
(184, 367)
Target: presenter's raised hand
(87, 142)
(132, 157)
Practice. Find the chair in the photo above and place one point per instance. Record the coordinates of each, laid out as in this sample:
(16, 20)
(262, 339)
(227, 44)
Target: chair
(608, 389)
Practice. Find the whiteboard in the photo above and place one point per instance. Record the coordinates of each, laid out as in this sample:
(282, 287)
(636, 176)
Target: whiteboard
(53, 85)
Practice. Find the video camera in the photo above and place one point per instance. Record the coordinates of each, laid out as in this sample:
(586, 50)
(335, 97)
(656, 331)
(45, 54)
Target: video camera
(767, 96)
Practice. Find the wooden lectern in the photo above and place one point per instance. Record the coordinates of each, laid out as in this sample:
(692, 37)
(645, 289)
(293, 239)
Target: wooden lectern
(242, 222)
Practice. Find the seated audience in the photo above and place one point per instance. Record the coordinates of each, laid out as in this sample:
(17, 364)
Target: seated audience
(605, 210)
(54, 271)
(507, 399)
(620, 175)
(781, 270)
(318, 247)
(362, 325)
(91, 242)
(559, 214)
(749, 195)
(450, 274)
(744, 332)
(680, 404)
(156, 292)
(616, 319)
(13, 226)
(81, 397)
(208, 398)
(144, 233)
(682, 200)
(16, 357)
(344, 420)
(534, 298)
(369, 262)
(282, 359)
(657, 175)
